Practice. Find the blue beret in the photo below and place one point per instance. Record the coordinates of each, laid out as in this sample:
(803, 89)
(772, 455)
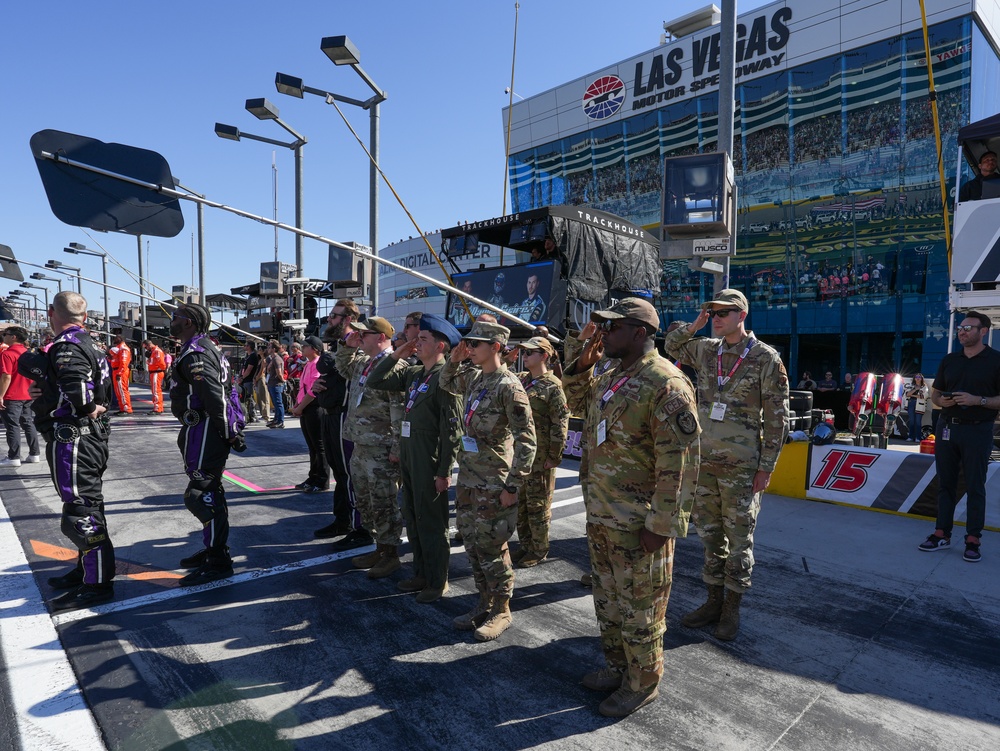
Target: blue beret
(440, 325)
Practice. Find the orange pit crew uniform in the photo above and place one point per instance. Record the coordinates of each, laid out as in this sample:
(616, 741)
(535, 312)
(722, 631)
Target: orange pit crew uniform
(157, 364)
(120, 356)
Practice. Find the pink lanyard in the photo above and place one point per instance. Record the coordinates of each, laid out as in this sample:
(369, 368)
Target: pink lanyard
(724, 380)
(611, 392)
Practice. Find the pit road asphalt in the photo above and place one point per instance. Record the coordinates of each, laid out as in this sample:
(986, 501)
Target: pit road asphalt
(851, 637)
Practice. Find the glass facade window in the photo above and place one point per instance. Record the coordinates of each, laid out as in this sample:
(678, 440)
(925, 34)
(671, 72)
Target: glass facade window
(840, 223)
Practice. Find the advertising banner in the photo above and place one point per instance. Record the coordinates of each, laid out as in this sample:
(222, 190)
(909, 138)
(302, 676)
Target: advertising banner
(886, 480)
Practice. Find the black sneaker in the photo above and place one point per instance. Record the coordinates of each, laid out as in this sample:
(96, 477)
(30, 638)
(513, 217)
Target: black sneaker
(315, 489)
(303, 485)
(70, 580)
(196, 560)
(84, 596)
(972, 554)
(337, 529)
(209, 572)
(933, 542)
(359, 538)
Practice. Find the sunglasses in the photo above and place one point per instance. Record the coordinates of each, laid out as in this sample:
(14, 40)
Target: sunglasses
(967, 327)
(473, 343)
(722, 312)
(176, 317)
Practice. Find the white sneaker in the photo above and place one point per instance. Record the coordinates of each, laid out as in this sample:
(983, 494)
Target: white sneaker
(33, 459)
(8, 462)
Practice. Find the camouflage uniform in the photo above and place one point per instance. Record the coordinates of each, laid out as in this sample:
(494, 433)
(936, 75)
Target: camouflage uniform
(372, 423)
(534, 500)
(748, 438)
(504, 433)
(643, 475)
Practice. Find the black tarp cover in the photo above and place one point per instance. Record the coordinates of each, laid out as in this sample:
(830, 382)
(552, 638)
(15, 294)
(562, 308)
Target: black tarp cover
(600, 253)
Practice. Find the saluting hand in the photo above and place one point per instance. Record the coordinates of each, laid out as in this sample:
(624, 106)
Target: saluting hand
(699, 322)
(404, 350)
(592, 352)
(459, 352)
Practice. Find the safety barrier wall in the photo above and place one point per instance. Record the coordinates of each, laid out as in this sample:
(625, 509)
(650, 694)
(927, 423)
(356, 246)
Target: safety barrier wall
(882, 480)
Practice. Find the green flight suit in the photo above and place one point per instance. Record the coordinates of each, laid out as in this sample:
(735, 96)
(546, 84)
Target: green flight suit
(434, 425)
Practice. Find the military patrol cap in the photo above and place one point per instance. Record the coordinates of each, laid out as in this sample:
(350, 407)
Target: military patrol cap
(440, 325)
(539, 342)
(634, 308)
(482, 331)
(729, 297)
(379, 325)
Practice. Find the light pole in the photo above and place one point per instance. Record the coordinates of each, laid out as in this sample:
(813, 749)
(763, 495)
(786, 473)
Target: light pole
(37, 303)
(265, 110)
(40, 275)
(35, 286)
(59, 266)
(79, 249)
(342, 51)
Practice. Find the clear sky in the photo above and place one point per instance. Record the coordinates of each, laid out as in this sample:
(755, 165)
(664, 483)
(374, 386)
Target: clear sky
(160, 75)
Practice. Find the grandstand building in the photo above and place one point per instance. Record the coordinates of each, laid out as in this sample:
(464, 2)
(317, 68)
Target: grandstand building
(840, 246)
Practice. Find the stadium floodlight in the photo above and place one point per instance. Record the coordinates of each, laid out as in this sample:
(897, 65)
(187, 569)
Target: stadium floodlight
(342, 51)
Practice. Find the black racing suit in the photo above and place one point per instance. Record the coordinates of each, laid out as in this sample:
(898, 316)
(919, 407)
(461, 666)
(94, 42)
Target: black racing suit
(78, 379)
(201, 398)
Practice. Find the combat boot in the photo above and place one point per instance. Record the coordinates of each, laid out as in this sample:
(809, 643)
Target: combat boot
(475, 617)
(388, 563)
(367, 560)
(729, 622)
(498, 620)
(708, 613)
(625, 701)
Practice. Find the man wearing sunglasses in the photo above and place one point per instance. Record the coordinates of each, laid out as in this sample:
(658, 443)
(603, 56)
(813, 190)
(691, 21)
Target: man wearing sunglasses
(641, 432)
(743, 410)
(967, 389)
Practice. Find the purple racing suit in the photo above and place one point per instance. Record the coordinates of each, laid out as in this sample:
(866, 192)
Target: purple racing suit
(210, 414)
(78, 379)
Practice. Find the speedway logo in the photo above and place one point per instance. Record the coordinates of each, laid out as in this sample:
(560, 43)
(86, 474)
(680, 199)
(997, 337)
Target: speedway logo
(604, 97)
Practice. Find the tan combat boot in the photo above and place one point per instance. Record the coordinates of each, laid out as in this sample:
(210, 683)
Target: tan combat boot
(729, 622)
(367, 560)
(475, 617)
(388, 563)
(708, 613)
(498, 621)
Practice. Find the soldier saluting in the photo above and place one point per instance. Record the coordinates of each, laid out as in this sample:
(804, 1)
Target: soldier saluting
(743, 408)
(497, 450)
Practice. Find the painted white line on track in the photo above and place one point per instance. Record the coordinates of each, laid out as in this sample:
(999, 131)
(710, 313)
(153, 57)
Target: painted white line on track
(48, 705)
(173, 594)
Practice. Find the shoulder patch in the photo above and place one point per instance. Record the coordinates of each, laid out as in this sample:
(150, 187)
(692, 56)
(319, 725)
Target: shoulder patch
(687, 423)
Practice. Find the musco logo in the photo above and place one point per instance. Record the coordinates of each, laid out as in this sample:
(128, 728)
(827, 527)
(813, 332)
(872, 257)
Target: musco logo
(604, 97)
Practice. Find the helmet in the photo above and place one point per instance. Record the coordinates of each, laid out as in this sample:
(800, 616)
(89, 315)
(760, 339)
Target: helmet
(498, 283)
(823, 434)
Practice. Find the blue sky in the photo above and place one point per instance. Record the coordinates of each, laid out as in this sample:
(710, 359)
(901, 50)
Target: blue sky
(160, 75)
